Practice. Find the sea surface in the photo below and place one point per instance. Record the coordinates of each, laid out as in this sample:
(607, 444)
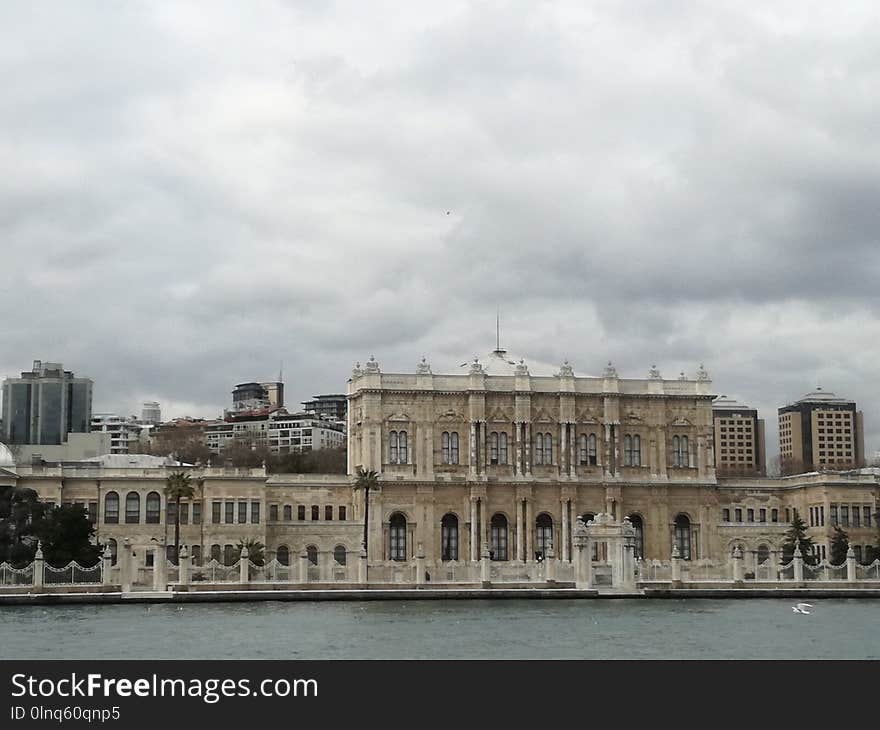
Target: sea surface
(456, 629)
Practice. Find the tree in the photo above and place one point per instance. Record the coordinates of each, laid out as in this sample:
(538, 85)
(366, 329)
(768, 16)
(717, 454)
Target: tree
(67, 534)
(797, 535)
(876, 551)
(256, 550)
(178, 485)
(839, 546)
(366, 480)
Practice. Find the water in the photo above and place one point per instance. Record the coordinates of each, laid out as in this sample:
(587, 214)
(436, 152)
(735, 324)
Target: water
(472, 629)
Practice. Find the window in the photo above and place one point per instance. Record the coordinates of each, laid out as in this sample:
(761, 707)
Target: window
(255, 513)
(763, 554)
(312, 554)
(93, 512)
(639, 526)
(543, 535)
(242, 512)
(582, 449)
(498, 538)
(397, 447)
(196, 554)
(739, 514)
(132, 508)
(548, 448)
(301, 512)
(273, 513)
(230, 512)
(216, 553)
(339, 555)
(197, 513)
(539, 448)
(857, 549)
(725, 515)
(282, 555)
(493, 447)
(502, 448)
(229, 556)
(215, 512)
(111, 508)
(856, 517)
(866, 516)
(328, 513)
(680, 453)
(113, 551)
(591, 450)
(762, 515)
(449, 447)
(683, 536)
(844, 515)
(170, 513)
(288, 513)
(397, 529)
(449, 537)
(342, 514)
(316, 513)
(750, 515)
(632, 450)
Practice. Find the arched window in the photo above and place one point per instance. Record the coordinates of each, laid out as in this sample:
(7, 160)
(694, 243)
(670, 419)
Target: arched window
(449, 537)
(683, 536)
(216, 553)
(339, 555)
(132, 508)
(763, 554)
(444, 447)
(111, 508)
(342, 514)
(548, 448)
(639, 527)
(675, 450)
(498, 537)
(591, 450)
(493, 447)
(539, 448)
(288, 513)
(392, 447)
(282, 555)
(312, 554)
(502, 448)
(316, 513)
(111, 543)
(543, 534)
(229, 554)
(154, 507)
(397, 529)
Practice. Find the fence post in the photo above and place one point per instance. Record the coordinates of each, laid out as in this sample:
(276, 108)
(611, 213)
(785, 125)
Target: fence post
(184, 561)
(106, 565)
(159, 583)
(676, 565)
(485, 568)
(38, 567)
(243, 565)
(420, 565)
(125, 566)
(798, 564)
(850, 564)
(737, 565)
(550, 565)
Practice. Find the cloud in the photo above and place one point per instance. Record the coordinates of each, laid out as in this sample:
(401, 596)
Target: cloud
(195, 192)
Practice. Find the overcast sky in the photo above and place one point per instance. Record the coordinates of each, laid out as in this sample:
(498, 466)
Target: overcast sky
(194, 192)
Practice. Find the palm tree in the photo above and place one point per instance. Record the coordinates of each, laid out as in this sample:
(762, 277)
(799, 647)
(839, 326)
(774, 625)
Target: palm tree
(178, 486)
(256, 550)
(367, 480)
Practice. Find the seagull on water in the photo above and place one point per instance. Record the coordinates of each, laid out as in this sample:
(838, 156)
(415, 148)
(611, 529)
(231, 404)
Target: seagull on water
(802, 608)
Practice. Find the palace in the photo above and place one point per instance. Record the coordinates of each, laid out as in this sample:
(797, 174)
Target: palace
(495, 461)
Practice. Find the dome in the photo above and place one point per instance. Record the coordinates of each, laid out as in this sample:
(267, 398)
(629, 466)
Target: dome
(6, 457)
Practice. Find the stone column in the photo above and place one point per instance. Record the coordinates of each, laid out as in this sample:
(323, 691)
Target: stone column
(485, 568)
(529, 532)
(304, 567)
(850, 564)
(106, 565)
(473, 537)
(676, 565)
(472, 461)
(572, 451)
(243, 565)
(550, 564)
(527, 449)
(606, 462)
(362, 568)
(39, 565)
(564, 537)
(798, 564)
(485, 527)
(737, 565)
(184, 562)
(420, 565)
(563, 450)
(160, 582)
(517, 440)
(125, 566)
(485, 443)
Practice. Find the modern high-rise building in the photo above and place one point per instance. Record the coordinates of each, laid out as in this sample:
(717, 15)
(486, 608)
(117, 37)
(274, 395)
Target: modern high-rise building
(820, 431)
(151, 413)
(46, 404)
(332, 407)
(254, 396)
(125, 433)
(739, 439)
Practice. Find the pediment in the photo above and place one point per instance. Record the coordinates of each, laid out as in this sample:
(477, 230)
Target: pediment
(681, 421)
(542, 416)
(450, 415)
(399, 417)
(499, 415)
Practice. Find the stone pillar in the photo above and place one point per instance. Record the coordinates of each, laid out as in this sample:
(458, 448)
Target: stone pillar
(184, 562)
(243, 566)
(564, 538)
(527, 449)
(798, 564)
(485, 568)
(572, 451)
(362, 568)
(125, 566)
(472, 461)
(519, 529)
(517, 448)
(583, 567)
(550, 564)
(563, 450)
(737, 565)
(420, 565)
(606, 462)
(850, 564)
(39, 565)
(106, 565)
(474, 536)
(529, 532)
(485, 442)
(676, 565)
(304, 567)
(160, 582)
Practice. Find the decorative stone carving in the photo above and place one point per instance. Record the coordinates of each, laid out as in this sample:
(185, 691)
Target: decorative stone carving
(702, 374)
(372, 366)
(522, 368)
(654, 373)
(610, 371)
(423, 368)
(476, 368)
(356, 371)
(566, 370)
(682, 376)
